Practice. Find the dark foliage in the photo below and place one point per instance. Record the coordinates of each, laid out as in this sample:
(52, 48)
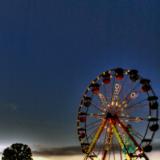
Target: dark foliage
(17, 151)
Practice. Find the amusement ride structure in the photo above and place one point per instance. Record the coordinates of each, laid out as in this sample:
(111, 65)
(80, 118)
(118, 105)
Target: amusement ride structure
(117, 116)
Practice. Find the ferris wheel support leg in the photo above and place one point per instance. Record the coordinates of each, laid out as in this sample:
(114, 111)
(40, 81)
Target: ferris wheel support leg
(115, 131)
(132, 138)
(96, 137)
(108, 144)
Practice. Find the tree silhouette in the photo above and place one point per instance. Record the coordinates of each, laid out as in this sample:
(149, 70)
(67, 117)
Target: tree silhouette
(17, 151)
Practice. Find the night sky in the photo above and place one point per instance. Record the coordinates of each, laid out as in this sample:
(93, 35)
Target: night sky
(51, 49)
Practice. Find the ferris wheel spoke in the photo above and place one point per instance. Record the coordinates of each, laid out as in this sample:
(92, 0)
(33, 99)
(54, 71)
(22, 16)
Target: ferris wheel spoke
(137, 103)
(112, 91)
(119, 139)
(126, 98)
(122, 87)
(96, 136)
(100, 149)
(133, 119)
(135, 108)
(92, 131)
(108, 94)
(104, 151)
(93, 123)
(98, 108)
(107, 141)
(129, 135)
(93, 127)
(136, 134)
(133, 131)
(103, 101)
(108, 135)
(104, 89)
(90, 135)
(95, 115)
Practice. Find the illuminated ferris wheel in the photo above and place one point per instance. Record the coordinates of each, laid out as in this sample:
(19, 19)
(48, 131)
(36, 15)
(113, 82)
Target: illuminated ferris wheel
(118, 116)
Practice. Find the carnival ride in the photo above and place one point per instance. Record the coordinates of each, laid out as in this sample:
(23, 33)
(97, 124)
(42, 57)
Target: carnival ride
(118, 116)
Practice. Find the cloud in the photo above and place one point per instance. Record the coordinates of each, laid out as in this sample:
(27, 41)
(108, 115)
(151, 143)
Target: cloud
(7, 106)
(73, 150)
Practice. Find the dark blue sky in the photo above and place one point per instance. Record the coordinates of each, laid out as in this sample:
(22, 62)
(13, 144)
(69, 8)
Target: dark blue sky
(50, 50)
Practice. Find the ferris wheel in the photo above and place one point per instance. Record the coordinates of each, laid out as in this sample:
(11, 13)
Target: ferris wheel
(117, 116)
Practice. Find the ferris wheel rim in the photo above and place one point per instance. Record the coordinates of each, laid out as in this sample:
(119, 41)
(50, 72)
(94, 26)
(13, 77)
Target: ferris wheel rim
(147, 88)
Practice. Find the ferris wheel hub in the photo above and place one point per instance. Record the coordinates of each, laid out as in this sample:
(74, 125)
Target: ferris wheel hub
(109, 115)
